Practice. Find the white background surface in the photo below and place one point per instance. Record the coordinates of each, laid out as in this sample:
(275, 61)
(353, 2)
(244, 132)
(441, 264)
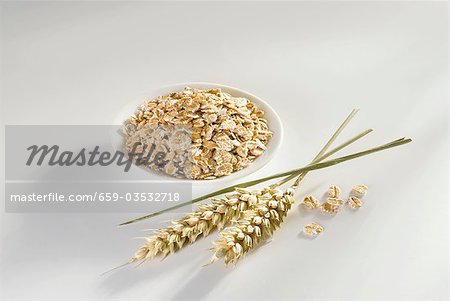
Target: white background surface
(79, 63)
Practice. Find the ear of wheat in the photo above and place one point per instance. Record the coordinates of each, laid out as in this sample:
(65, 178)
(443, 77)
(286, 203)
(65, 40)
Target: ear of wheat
(217, 214)
(256, 225)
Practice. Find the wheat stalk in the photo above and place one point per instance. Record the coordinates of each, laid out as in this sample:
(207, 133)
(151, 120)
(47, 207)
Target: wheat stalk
(170, 239)
(259, 223)
(221, 211)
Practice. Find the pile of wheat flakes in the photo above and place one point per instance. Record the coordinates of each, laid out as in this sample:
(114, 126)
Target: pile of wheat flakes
(226, 133)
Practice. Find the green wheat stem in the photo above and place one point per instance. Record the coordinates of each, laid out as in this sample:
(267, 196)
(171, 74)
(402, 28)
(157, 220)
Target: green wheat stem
(294, 172)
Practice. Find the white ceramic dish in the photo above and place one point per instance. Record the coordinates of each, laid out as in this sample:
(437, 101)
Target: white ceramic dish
(274, 123)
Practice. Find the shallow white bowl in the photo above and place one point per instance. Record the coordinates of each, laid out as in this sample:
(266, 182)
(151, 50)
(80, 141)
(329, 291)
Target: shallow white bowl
(274, 123)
